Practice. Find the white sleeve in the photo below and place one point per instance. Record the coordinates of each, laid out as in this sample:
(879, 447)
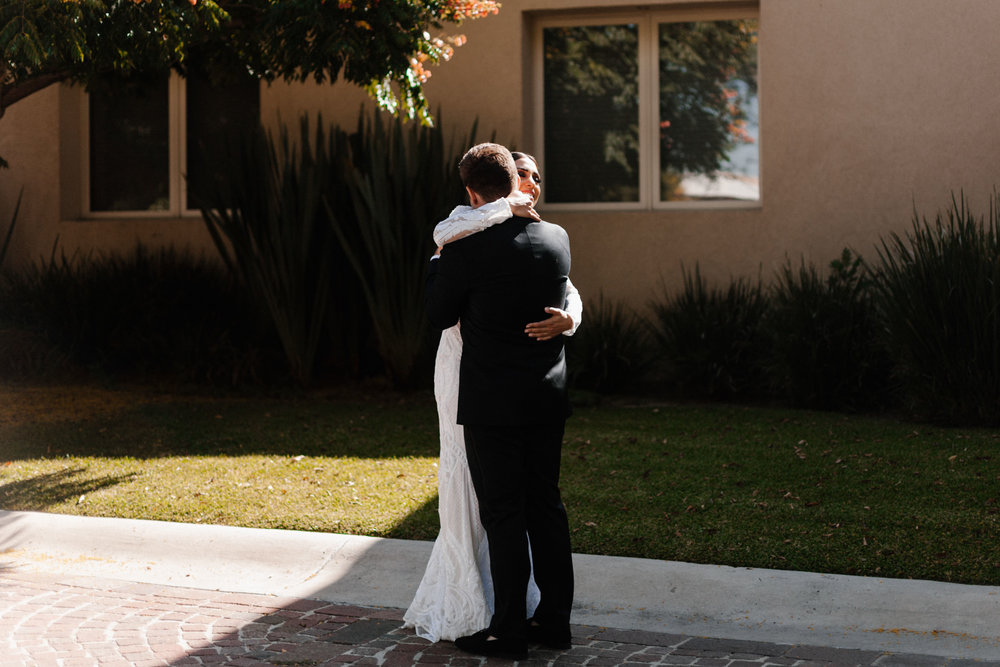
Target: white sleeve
(574, 306)
(465, 220)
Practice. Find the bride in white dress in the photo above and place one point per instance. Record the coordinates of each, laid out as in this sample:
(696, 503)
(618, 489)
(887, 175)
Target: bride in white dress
(455, 596)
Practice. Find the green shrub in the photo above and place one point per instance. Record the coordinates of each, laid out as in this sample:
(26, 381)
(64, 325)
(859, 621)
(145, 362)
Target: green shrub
(24, 355)
(713, 340)
(826, 340)
(938, 290)
(324, 238)
(402, 179)
(145, 315)
(331, 234)
(612, 351)
(265, 213)
(10, 229)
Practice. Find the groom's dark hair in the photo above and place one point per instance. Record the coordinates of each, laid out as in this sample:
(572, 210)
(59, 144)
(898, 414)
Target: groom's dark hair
(489, 171)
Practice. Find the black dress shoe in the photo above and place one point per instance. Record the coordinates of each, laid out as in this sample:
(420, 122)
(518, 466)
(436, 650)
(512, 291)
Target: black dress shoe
(481, 644)
(549, 637)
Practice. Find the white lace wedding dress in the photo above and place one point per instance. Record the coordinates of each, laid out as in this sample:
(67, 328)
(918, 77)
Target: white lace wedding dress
(455, 596)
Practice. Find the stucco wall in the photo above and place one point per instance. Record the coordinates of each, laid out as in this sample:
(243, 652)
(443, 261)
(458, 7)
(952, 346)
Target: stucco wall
(864, 119)
(29, 141)
(867, 109)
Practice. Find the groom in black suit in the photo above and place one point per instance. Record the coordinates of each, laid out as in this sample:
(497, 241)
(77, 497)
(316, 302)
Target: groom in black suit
(512, 403)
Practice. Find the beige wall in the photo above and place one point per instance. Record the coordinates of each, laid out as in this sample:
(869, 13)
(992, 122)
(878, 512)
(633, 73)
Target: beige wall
(40, 139)
(29, 141)
(867, 108)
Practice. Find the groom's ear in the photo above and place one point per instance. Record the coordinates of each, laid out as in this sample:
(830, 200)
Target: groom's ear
(474, 199)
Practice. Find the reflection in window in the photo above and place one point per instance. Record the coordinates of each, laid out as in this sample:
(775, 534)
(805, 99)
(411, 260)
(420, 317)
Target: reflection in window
(130, 150)
(134, 139)
(591, 114)
(700, 139)
(708, 114)
(218, 114)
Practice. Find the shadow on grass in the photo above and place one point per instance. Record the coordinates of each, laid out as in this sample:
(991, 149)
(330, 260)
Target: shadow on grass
(422, 523)
(369, 427)
(42, 492)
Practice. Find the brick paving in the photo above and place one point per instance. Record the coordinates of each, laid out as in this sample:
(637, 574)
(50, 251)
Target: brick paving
(70, 621)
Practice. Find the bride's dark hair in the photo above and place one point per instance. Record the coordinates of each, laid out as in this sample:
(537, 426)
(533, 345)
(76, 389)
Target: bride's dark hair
(517, 155)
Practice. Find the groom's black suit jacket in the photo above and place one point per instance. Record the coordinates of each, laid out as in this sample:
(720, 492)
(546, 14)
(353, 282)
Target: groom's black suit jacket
(495, 282)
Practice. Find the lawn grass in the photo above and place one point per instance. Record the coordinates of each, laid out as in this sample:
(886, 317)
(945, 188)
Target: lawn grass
(729, 485)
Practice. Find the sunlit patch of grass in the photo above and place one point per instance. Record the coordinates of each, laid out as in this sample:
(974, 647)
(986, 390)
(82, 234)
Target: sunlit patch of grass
(332, 494)
(729, 485)
(367, 467)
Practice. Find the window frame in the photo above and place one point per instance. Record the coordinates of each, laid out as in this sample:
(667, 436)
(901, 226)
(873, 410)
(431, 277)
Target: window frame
(647, 22)
(178, 206)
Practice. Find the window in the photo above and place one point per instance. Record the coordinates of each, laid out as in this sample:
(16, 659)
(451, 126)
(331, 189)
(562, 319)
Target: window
(648, 110)
(130, 150)
(142, 146)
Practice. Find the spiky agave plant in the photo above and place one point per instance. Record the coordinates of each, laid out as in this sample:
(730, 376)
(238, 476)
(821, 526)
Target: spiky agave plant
(938, 291)
(265, 215)
(403, 178)
(712, 339)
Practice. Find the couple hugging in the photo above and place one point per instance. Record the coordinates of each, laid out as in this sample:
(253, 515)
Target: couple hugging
(500, 573)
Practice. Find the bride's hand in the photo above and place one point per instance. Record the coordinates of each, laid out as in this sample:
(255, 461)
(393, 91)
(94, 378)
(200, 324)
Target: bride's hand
(550, 328)
(522, 208)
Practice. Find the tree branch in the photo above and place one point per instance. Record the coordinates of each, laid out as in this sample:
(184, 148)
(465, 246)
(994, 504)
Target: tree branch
(11, 93)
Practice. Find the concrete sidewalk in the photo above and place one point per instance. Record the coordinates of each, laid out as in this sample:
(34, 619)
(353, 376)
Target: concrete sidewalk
(919, 618)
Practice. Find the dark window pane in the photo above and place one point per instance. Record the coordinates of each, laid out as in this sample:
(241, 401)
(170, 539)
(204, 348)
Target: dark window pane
(591, 114)
(218, 113)
(708, 110)
(129, 150)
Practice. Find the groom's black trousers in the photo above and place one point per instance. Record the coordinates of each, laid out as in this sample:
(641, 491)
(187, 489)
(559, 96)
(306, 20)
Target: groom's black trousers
(515, 471)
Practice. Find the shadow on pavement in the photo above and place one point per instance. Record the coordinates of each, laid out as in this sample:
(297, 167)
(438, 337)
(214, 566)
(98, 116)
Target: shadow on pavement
(8, 536)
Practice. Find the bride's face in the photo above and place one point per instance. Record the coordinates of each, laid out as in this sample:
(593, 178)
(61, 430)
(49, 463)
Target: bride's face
(530, 181)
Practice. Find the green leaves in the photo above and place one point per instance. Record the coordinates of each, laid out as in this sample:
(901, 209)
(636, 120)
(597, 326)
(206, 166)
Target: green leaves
(613, 351)
(938, 289)
(266, 218)
(713, 338)
(289, 215)
(379, 46)
(35, 33)
(403, 180)
(827, 349)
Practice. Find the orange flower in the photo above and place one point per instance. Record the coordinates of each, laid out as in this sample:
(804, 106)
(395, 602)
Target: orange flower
(416, 64)
(456, 10)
